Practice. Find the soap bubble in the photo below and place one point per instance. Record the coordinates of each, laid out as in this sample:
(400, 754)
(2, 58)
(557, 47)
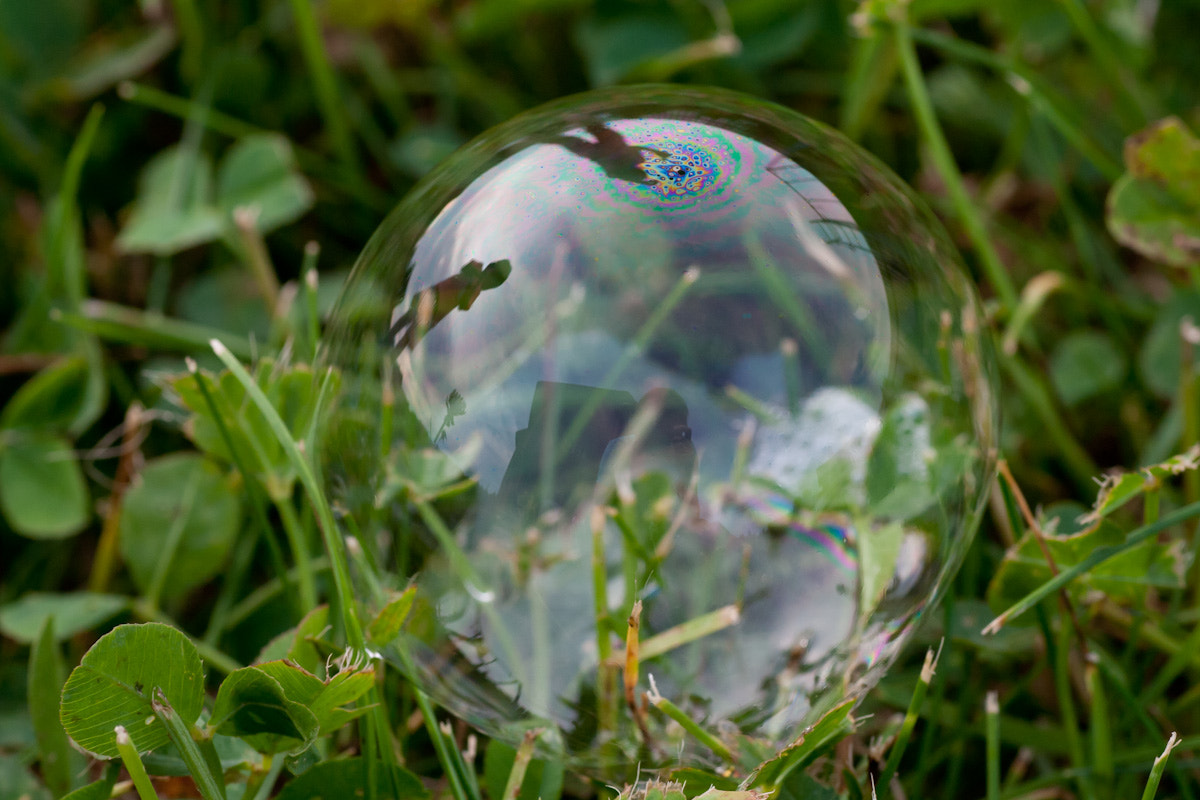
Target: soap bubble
(663, 358)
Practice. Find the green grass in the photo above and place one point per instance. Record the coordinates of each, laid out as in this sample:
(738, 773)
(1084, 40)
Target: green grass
(148, 316)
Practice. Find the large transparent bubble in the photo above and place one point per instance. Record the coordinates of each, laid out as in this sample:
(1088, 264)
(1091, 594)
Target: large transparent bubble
(670, 357)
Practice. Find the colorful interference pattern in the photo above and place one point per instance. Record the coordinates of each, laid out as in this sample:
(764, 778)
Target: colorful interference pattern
(690, 169)
(828, 537)
(681, 171)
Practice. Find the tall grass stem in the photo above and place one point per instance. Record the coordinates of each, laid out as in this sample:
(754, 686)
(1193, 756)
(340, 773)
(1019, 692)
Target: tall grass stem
(943, 161)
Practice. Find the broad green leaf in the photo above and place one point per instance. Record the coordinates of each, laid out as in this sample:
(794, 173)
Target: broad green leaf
(1118, 489)
(252, 706)
(1125, 577)
(114, 683)
(58, 762)
(259, 171)
(1040, 28)
(295, 643)
(346, 778)
(771, 38)
(292, 391)
(879, 546)
(898, 470)
(164, 233)
(429, 473)
(827, 731)
(340, 690)
(304, 650)
(122, 55)
(182, 516)
(323, 698)
(1148, 218)
(73, 613)
(1159, 357)
(58, 398)
(1155, 206)
(1169, 153)
(390, 620)
(174, 209)
(42, 491)
(1086, 364)
(298, 684)
(830, 487)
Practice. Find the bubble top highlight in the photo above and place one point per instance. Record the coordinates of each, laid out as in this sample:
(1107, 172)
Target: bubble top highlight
(666, 369)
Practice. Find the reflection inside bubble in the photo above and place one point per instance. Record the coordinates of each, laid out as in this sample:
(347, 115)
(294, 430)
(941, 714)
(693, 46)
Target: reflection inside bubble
(694, 393)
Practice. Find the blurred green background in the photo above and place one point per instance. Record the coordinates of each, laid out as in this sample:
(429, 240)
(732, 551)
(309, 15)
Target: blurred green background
(130, 133)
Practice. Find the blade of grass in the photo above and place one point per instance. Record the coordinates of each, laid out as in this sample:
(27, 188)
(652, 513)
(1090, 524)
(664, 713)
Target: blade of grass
(105, 559)
(171, 541)
(1029, 84)
(943, 160)
(1183, 658)
(324, 84)
(147, 328)
(67, 270)
(269, 591)
(191, 29)
(1138, 707)
(474, 584)
(872, 72)
(334, 546)
(1097, 556)
(44, 687)
(308, 272)
(207, 783)
(688, 724)
(1099, 725)
(133, 765)
(1157, 770)
(687, 632)
(217, 620)
(298, 543)
(910, 719)
(312, 162)
(254, 253)
(992, 728)
(1066, 705)
(1036, 393)
(1132, 98)
(516, 775)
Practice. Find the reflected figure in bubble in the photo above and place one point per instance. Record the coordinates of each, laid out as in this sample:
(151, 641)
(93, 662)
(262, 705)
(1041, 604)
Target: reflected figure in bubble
(573, 435)
(429, 307)
(611, 152)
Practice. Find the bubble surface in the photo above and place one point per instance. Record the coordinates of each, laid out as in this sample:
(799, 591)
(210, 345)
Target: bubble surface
(661, 359)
